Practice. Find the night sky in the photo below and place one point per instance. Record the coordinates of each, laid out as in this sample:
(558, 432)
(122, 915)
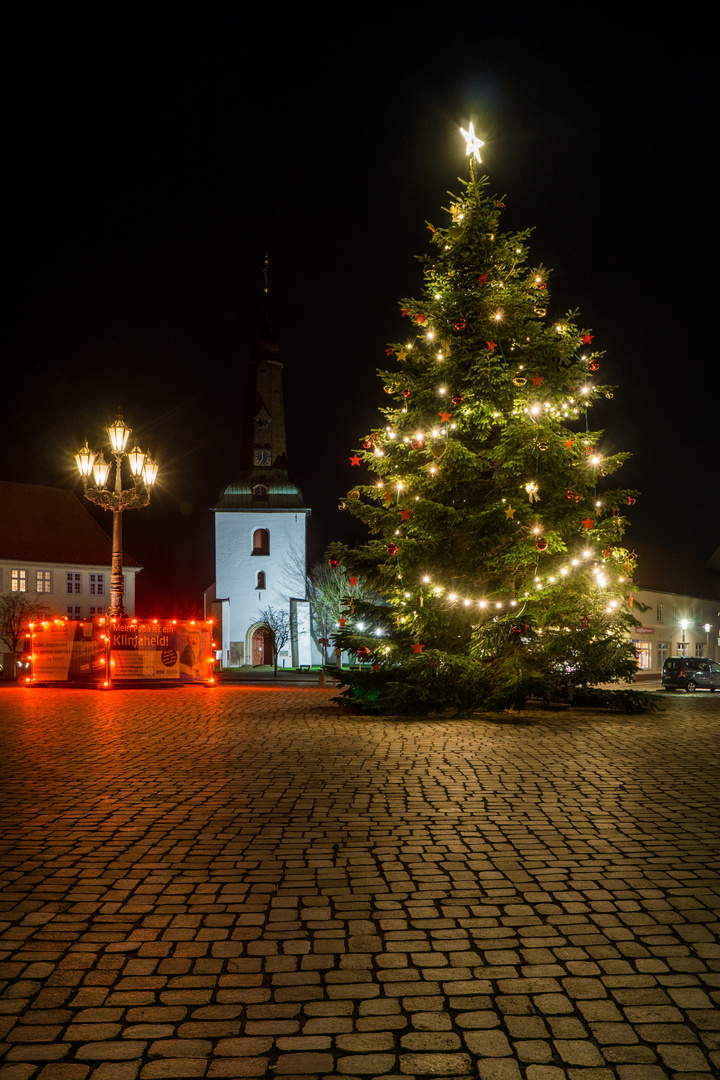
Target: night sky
(153, 160)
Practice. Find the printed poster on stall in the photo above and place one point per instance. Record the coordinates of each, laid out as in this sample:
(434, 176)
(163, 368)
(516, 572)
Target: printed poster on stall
(160, 649)
(67, 650)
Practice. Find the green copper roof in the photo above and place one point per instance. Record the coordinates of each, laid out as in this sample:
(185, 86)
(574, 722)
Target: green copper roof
(246, 493)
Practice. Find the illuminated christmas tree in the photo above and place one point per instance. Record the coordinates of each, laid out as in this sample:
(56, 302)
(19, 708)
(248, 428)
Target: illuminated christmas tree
(495, 538)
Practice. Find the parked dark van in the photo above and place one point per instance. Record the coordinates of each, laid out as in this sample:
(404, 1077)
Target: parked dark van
(690, 673)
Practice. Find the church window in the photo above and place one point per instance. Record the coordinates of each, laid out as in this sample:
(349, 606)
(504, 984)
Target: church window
(260, 580)
(260, 492)
(261, 542)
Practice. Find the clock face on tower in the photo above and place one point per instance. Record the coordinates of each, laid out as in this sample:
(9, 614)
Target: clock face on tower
(261, 457)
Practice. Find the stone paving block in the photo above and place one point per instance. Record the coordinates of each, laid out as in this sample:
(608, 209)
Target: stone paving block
(438, 1065)
(62, 1070)
(174, 1069)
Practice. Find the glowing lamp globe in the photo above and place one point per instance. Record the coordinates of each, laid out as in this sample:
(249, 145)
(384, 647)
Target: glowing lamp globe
(118, 434)
(84, 459)
(137, 460)
(101, 470)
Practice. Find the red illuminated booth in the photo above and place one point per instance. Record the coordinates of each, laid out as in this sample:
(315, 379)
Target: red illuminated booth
(104, 651)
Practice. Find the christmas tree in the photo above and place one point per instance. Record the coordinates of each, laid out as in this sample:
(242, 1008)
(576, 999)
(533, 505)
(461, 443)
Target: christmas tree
(495, 539)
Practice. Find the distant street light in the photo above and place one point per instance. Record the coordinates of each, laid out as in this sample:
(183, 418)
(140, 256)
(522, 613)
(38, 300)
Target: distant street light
(144, 472)
(707, 627)
(684, 625)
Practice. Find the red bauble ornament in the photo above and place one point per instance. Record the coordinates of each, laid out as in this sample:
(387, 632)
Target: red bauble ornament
(368, 444)
(406, 393)
(457, 399)
(516, 630)
(569, 494)
(363, 652)
(333, 563)
(541, 544)
(631, 500)
(392, 549)
(416, 444)
(460, 324)
(594, 365)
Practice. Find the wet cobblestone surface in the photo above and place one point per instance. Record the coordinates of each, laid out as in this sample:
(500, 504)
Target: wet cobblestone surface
(243, 882)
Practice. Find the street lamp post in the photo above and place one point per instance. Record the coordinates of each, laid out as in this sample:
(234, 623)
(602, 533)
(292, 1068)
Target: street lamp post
(143, 469)
(707, 627)
(684, 625)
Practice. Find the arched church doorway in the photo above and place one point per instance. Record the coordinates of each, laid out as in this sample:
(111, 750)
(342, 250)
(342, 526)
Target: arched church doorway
(261, 647)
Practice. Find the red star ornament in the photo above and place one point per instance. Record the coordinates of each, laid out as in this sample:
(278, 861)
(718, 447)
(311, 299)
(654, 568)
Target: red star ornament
(342, 620)
(588, 522)
(405, 514)
(445, 417)
(389, 351)
(537, 380)
(482, 279)
(353, 580)
(492, 345)
(354, 460)
(587, 339)
(404, 311)
(420, 318)
(568, 444)
(417, 647)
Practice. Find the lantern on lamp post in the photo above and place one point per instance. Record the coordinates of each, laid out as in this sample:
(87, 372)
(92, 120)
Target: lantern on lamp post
(95, 473)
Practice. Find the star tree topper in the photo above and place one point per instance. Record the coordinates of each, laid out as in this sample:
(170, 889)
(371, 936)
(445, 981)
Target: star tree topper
(472, 143)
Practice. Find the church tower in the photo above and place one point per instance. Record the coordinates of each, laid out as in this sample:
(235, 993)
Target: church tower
(260, 526)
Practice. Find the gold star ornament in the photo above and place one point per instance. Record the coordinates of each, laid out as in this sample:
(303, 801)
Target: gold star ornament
(472, 143)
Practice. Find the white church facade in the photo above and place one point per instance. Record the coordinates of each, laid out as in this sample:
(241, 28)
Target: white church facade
(260, 531)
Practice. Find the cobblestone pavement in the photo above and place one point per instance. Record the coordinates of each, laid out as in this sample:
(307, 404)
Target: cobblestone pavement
(242, 882)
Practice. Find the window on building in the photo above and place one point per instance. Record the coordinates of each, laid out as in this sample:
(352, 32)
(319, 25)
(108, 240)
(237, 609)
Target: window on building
(261, 542)
(74, 583)
(663, 651)
(682, 648)
(260, 492)
(659, 613)
(73, 612)
(642, 648)
(260, 580)
(97, 584)
(18, 581)
(675, 613)
(699, 648)
(43, 581)
(96, 610)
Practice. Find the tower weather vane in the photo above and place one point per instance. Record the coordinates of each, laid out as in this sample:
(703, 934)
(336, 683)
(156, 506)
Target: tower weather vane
(472, 143)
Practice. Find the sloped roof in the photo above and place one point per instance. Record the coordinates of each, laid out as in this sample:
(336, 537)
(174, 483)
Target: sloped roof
(50, 525)
(670, 571)
(282, 493)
